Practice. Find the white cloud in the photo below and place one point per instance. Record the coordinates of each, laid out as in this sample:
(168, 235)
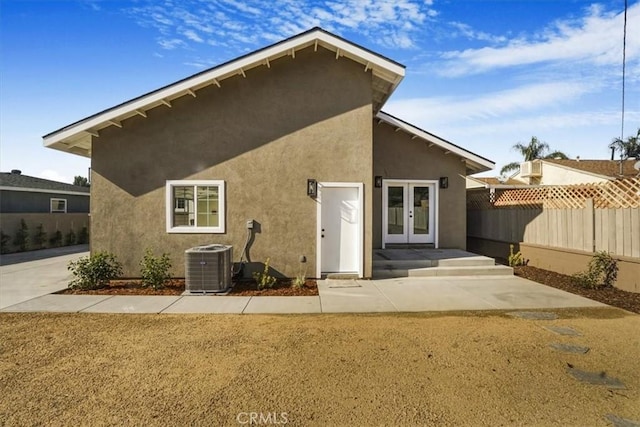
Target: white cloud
(236, 24)
(54, 176)
(171, 44)
(595, 39)
(504, 103)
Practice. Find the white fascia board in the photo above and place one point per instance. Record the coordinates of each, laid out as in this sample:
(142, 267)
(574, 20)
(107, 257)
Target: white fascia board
(436, 140)
(38, 190)
(219, 73)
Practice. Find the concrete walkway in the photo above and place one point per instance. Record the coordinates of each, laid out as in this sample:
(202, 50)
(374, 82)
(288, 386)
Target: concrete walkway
(336, 296)
(28, 275)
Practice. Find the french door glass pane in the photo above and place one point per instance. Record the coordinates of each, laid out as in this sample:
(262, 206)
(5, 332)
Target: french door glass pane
(395, 214)
(420, 210)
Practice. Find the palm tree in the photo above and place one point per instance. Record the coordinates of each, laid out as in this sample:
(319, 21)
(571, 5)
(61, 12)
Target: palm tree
(536, 149)
(628, 148)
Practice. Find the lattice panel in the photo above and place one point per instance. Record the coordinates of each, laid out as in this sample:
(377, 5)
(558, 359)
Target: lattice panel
(622, 193)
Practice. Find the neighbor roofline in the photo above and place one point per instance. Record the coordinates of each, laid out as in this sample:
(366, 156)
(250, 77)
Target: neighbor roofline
(41, 190)
(597, 175)
(71, 137)
(481, 164)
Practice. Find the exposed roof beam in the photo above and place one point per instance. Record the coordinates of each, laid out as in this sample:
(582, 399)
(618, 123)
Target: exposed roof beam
(142, 113)
(293, 53)
(366, 67)
(192, 93)
(165, 102)
(216, 82)
(414, 136)
(431, 144)
(242, 72)
(93, 133)
(116, 123)
(397, 130)
(315, 46)
(267, 62)
(447, 152)
(337, 53)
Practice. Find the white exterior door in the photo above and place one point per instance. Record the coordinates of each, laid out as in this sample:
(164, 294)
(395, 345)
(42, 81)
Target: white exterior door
(340, 228)
(409, 211)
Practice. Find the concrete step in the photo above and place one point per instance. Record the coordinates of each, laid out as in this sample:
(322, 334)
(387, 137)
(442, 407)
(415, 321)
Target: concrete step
(486, 270)
(384, 264)
(465, 261)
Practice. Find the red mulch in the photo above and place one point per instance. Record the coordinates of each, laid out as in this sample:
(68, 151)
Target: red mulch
(612, 296)
(176, 287)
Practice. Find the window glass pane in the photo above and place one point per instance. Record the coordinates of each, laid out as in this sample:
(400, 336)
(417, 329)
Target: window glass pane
(395, 218)
(208, 205)
(183, 207)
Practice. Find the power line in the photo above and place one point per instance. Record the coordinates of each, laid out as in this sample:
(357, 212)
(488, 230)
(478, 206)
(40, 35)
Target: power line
(624, 61)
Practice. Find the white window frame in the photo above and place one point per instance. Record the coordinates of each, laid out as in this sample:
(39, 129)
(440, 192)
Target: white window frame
(171, 206)
(54, 199)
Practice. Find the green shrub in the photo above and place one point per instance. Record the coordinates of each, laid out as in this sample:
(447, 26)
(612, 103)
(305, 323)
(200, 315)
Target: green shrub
(70, 238)
(56, 240)
(22, 236)
(155, 270)
(95, 271)
(40, 238)
(83, 236)
(264, 279)
(4, 242)
(602, 271)
(515, 260)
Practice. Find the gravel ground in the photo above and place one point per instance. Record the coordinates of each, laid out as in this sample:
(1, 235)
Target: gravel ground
(421, 369)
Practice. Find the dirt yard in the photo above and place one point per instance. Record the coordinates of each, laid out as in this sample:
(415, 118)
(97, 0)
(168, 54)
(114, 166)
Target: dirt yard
(422, 369)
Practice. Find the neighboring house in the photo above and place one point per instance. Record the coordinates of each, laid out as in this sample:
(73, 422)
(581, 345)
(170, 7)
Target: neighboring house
(291, 136)
(487, 182)
(566, 172)
(55, 205)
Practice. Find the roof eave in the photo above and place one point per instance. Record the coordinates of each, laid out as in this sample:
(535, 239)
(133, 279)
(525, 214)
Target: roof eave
(474, 163)
(76, 138)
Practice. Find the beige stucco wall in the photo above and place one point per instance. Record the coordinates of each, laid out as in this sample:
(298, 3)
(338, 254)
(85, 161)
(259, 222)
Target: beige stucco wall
(397, 156)
(51, 222)
(565, 261)
(264, 135)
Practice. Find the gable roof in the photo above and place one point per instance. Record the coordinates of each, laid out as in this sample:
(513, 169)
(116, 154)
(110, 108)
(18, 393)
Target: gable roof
(76, 138)
(605, 168)
(474, 162)
(17, 182)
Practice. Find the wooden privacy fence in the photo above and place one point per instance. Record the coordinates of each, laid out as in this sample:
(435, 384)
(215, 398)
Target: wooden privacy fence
(586, 217)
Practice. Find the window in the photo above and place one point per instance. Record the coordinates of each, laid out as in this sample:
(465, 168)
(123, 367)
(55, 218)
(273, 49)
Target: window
(58, 206)
(195, 206)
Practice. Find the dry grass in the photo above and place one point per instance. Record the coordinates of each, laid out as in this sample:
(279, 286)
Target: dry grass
(420, 369)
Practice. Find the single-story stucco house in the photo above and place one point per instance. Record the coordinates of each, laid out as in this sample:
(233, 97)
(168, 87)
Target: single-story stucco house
(292, 137)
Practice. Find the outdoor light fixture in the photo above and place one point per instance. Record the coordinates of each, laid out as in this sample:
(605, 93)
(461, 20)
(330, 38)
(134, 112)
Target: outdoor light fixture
(378, 181)
(444, 182)
(312, 188)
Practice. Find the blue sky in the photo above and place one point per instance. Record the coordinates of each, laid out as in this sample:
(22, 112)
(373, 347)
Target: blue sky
(482, 74)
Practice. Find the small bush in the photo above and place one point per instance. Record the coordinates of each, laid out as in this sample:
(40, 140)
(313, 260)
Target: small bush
(155, 270)
(70, 238)
(95, 271)
(4, 242)
(40, 238)
(264, 279)
(301, 278)
(83, 236)
(602, 271)
(515, 260)
(56, 240)
(22, 236)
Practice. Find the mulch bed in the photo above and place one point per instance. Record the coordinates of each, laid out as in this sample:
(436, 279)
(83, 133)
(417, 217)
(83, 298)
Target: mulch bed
(177, 287)
(612, 296)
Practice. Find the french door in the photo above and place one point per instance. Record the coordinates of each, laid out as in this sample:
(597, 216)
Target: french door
(409, 211)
